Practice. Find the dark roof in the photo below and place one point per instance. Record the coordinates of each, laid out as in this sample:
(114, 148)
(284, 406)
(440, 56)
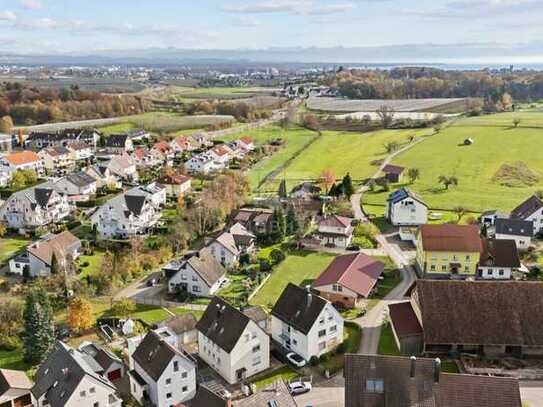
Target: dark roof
(298, 308)
(404, 319)
(206, 398)
(423, 390)
(137, 377)
(393, 169)
(527, 208)
(357, 272)
(481, 312)
(116, 140)
(102, 357)
(180, 324)
(451, 238)
(516, 227)
(154, 355)
(308, 187)
(134, 203)
(500, 253)
(80, 179)
(403, 193)
(222, 324)
(42, 196)
(66, 367)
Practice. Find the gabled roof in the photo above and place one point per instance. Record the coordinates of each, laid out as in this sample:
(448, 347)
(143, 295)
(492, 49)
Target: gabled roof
(80, 179)
(59, 244)
(422, 390)
(500, 253)
(223, 324)
(404, 319)
(227, 241)
(14, 379)
(246, 140)
(451, 238)
(256, 313)
(276, 391)
(181, 324)
(116, 140)
(78, 145)
(205, 398)
(163, 147)
(22, 157)
(42, 195)
(308, 187)
(515, 227)
(527, 208)
(56, 151)
(298, 307)
(154, 355)
(174, 179)
(481, 312)
(403, 193)
(393, 169)
(66, 367)
(135, 203)
(336, 221)
(102, 357)
(207, 267)
(357, 272)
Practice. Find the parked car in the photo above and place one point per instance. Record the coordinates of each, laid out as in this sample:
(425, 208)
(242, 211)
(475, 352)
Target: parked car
(299, 387)
(353, 248)
(152, 282)
(296, 359)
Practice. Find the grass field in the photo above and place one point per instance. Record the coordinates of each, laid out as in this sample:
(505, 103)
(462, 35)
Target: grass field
(299, 268)
(9, 246)
(285, 372)
(342, 153)
(118, 128)
(387, 344)
(352, 333)
(95, 262)
(496, 146)
(391, 278)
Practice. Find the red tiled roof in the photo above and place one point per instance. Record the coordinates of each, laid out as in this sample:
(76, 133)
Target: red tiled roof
(220, 150)
(22, 157)
(357, 272)
(174, 179)
(246, 139)
(336, 221)
(140, 153)
(162, 146)
(404, 319)
(451, 238)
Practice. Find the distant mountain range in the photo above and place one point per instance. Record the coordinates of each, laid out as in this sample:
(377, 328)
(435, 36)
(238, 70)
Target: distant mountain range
(394, 54)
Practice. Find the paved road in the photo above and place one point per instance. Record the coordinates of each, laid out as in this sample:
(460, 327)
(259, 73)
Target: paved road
(372, 321)
(328, 394)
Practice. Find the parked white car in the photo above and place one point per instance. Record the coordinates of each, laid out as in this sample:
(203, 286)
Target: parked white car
(296, 359)
(299, 387)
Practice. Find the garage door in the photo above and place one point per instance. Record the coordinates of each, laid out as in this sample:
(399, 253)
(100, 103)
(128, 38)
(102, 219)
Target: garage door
(114, 374)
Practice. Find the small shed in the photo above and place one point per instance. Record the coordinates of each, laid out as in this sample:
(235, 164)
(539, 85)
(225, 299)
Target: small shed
(393, 173)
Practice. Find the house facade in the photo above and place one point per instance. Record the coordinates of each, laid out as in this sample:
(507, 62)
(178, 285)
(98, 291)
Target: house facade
(305, 323)
(162, 374)
(201, 164)
(118, 144)
(530, 210)
(231, 343)
(519, 230)
(21, 160)
(448, 251)
(335, 231)
(15, 389)
(404, 208)
(176, 184)
(57, 160)
(499, 259)
(124, 167)
(77, 186)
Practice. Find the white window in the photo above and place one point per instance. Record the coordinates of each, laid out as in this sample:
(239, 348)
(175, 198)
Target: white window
(333, 328)
(322, 346)
(375, 386)
(322, 333)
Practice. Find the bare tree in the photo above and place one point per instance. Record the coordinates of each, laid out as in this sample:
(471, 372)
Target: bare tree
(386, 115)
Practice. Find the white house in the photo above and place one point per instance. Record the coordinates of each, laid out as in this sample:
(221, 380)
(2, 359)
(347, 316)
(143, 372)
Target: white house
(305, 323)
(39, 140)
(126, 215)
(335, 230)
(124, 167)
(229, 246)
(39, 255)
(15, 388)
(21, 160)
(146, 158)
(162, 374)
(521, 231)
(154, 191)
(200, 274)
(499, 259)
(176, 184)
(221, 154)
(80, 150)
(118, 144)
(201, 164)
(246, 143)
(404, 208)
(105, 362)
(103, 176)
(57, 160)
(305, 191)
(34, 207)
(531, 210)
(231, 343)
(182, 144)
(488, 218)
(77, 186)
(165, 151)
(67, 378)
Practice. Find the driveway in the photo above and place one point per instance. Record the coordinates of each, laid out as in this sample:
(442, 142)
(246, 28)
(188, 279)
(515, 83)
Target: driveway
(328, 394)
(531, 393)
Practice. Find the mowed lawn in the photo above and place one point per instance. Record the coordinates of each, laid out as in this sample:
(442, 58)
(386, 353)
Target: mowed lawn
(344, 152)
(294, 140)
(300, 268)
(9, 246)
(475, 165)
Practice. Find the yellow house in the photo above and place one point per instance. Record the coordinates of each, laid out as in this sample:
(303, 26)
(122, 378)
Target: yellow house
(448, 250)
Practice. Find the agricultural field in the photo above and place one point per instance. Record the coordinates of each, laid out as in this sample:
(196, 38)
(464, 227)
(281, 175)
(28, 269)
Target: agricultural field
(342, 152)
(499, 170)
(342, 105)
(188, 95)
(301, 268)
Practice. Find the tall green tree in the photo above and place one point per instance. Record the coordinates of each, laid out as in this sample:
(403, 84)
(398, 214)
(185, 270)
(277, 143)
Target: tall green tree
(283, 189)
(279, 223)
(39, 335)
(347, 186)
(292, 225)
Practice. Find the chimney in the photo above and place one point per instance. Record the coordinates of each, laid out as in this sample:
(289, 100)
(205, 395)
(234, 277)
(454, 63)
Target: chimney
(413, 367)
(437, 369)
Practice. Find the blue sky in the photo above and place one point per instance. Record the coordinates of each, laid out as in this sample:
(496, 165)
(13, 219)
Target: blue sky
(86, 25)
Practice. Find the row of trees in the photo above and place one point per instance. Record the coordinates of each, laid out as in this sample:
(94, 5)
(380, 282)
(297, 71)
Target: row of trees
(240, 110)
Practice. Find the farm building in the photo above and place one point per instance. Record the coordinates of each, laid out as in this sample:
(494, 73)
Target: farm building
(393, 173)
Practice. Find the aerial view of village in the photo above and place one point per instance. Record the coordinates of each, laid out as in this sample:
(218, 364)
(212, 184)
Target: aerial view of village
(271, 203)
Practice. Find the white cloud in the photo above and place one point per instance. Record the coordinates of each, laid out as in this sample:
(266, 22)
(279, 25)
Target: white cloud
(331, 9)
(7, 16)
(269, 6)
(31, 4)
(245, 21)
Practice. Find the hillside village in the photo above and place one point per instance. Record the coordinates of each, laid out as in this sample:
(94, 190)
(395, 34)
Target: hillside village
(232, 269)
